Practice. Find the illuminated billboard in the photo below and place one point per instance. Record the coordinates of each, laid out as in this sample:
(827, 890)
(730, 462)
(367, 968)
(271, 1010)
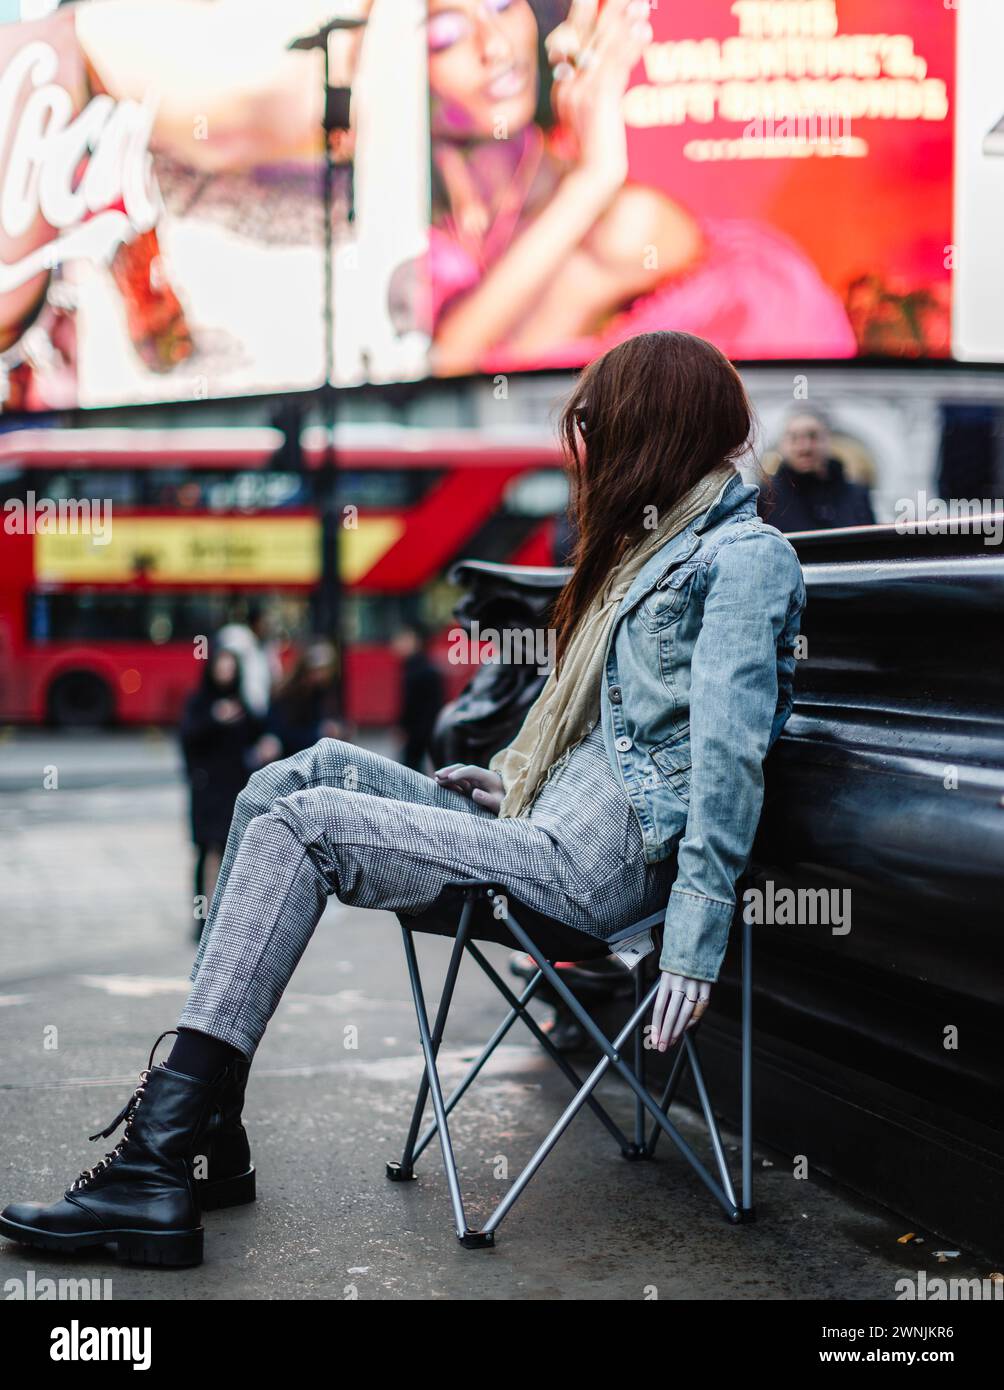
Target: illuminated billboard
(162, 175)
(519, 185)
(776, 177)
(978, 282)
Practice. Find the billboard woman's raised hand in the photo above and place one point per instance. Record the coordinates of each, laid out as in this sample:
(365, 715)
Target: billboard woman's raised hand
(592, 54)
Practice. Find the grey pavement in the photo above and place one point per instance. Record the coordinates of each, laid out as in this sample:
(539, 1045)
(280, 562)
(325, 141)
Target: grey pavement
(94, 956)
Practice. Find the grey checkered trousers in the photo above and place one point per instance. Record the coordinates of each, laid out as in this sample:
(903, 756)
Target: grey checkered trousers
(338, 819)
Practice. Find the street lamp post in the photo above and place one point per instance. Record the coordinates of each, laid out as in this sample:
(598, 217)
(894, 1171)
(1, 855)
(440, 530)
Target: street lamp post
(335, 120)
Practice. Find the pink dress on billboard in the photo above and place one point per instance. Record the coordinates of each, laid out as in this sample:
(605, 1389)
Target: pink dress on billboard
(754, 294)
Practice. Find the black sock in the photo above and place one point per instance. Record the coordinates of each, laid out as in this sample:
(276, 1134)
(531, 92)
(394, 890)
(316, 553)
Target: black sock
(197, 1054)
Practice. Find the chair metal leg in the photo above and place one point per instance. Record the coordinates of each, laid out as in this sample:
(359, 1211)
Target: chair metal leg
(747, 1070)
(402, 1171)
(687, 1054)
(639, 1148)
(709, 1118)
(430, 1039)
(467, 1237)
(668, 1096)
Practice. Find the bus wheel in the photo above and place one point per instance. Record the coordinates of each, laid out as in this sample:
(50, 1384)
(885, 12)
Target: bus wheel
(78, 699)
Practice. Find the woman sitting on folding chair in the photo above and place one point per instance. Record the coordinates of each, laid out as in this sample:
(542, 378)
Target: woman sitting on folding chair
(635, 781)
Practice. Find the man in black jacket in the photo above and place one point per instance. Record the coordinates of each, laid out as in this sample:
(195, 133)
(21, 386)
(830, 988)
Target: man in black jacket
(421, 694)
(809, 491)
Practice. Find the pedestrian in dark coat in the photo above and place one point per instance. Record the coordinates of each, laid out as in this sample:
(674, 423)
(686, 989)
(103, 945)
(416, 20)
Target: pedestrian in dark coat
(421, 695)
(306, 707)
(217, 735)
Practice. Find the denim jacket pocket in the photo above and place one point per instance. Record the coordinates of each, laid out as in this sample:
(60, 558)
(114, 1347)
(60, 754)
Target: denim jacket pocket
(672, 758)
(667, 601)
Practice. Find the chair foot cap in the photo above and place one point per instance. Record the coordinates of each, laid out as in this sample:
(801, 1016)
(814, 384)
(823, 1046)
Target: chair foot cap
(477, 1240)
(398, 1174)
(745, 1217)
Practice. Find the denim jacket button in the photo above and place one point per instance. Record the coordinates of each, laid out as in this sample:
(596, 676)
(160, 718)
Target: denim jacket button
(623, 744)
(615, 694)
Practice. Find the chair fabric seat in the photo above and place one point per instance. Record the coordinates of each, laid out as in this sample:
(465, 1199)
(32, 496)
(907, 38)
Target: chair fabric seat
(556, 940)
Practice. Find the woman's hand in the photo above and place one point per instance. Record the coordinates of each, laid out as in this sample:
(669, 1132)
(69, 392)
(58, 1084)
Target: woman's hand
(679, 1003)
(478, 783)
(592, 54)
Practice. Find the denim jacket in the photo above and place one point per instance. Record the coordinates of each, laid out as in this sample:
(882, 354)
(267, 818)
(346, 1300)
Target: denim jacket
(697, 687)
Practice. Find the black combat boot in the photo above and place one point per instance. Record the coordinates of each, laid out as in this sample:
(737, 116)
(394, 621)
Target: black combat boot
(141, 1196)
(224, 1173)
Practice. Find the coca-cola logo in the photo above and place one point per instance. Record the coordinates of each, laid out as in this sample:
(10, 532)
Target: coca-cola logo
(41, 150)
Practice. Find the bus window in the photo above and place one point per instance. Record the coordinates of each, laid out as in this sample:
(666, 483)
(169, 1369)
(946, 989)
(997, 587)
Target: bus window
(373, 619)
(13, 484)
(39, 628)
(117, 486)
(217, 491)
(253, 492)
(384, 488)
(543, 492)
(159, 618)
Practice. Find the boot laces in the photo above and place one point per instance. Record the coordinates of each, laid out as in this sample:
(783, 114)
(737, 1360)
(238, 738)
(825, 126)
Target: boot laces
(127, 1113)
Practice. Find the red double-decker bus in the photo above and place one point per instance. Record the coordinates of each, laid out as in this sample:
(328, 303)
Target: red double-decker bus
(101, 605)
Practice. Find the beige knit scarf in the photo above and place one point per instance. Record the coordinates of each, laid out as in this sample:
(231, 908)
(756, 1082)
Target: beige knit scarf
(567, 708)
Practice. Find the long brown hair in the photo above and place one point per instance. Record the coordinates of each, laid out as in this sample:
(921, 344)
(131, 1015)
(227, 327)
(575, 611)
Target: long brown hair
(656, 414)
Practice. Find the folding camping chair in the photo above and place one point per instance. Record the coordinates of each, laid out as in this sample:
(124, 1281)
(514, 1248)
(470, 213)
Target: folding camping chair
(488, 913)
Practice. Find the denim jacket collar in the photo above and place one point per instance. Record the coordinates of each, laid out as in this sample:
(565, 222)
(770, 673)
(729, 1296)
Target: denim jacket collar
(734, 496)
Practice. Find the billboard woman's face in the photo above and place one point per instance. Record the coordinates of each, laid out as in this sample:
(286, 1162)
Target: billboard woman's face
(482, 67)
